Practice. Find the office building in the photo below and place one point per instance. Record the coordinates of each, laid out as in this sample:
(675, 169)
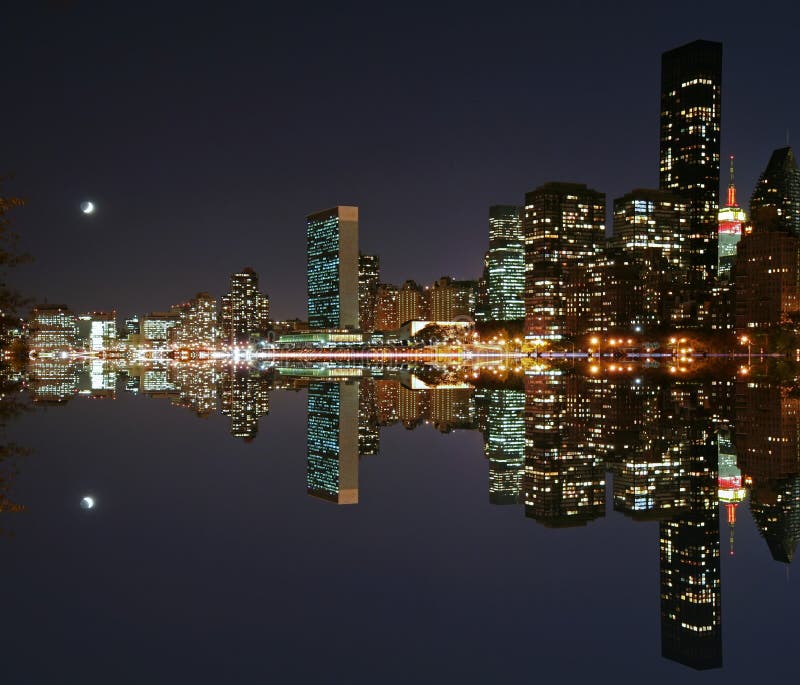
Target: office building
(103, 331)
(766, 277)
(412, 302)
(157, 326)
(564, 226)
(245, 309)
(332, 268)
(652, 221)
(452, 300)
(691, 96)
(779, 189)
(505, 265)
(197, 327)
(387, 312)
(52, 327)
(368, 282)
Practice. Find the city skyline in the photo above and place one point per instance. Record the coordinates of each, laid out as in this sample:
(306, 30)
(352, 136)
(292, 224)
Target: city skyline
(56, 225)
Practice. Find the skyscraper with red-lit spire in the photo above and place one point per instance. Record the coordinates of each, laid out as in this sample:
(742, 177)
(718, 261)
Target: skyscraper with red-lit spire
(731, 221)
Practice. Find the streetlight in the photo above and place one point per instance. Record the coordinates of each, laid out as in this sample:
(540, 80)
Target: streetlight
(745, 340)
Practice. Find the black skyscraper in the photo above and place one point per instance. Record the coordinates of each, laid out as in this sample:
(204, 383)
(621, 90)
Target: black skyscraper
(691, 85)
(779, 188)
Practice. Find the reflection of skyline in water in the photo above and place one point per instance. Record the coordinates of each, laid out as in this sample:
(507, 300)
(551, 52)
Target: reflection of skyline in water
(674, 450)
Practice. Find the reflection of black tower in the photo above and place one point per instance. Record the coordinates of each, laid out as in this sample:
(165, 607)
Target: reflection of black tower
(564, 479)
(505, 443)
(691, 625)
(332, 467)
(776, 510)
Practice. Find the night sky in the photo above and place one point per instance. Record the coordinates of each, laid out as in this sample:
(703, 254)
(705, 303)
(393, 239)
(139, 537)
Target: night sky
(205, 135)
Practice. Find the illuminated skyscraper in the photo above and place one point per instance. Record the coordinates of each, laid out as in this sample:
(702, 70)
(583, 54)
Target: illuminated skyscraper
(332, 466)
(691, 95)
(197, 327)
(564, 226)
(779, 189)
(387, 315)
(731, 222)
(368, 281)
(505, 264)
(452, 300)
(53, 327)
(245, 310)
(156, 327)
(412, 302)
(332, 268)
(648, 221)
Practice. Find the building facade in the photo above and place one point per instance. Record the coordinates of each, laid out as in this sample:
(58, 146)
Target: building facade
(505, 265)
(564, 225)
(369, 278)
(245, 309)
(779, 189)
(332, 268)
(691, 93)
(52, 327)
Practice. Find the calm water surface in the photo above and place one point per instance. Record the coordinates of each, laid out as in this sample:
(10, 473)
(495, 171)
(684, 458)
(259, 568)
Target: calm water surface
(396, 525)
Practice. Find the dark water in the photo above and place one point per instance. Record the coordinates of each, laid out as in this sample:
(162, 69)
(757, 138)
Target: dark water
(551, 526)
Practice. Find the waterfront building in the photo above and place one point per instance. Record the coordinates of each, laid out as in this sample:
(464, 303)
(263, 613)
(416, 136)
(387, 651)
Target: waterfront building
(766, 276)
(197, 322)
(732, 219)
(778, 188)
(505, 265)
(245, 309)
(452, 300)
(564, 226)
(52, 327)
(332, 268)
(368, 282)
(412, 302)
(387, 314)
(157, 326)
(648, 222)
(691, 96)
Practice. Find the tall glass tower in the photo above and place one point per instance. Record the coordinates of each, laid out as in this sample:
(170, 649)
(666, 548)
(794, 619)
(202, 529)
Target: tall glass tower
(505, 264)
(332, 261)
(691, 91)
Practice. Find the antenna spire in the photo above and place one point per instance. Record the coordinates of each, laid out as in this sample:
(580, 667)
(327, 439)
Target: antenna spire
(731, 188)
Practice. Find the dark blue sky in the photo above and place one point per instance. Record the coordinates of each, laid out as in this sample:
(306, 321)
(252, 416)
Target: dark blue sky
(206, 135)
